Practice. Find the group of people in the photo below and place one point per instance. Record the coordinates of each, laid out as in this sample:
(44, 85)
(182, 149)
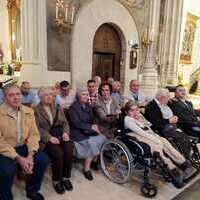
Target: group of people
(57, 124)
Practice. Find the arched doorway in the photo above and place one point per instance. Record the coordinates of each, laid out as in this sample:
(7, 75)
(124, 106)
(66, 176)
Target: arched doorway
(107, 50)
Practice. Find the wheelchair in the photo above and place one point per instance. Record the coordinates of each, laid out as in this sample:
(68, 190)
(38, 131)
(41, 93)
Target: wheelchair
(123, 155)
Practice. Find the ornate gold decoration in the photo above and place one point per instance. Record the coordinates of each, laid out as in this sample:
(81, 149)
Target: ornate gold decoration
(65, 15)
(147, 37)
(188, 39)
(13, 13)
(137, 4)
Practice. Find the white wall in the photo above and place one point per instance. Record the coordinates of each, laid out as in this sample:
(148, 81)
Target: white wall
(89, 19)
(4, 30)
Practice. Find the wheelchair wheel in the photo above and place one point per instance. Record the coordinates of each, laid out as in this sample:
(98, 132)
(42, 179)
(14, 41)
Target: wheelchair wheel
(195, 159)
(149, 190)
(116, 161)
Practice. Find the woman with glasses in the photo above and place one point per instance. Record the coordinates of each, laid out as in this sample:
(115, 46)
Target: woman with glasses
(141, 130)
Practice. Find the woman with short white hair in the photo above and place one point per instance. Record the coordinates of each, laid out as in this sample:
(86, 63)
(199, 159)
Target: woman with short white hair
(55, 139)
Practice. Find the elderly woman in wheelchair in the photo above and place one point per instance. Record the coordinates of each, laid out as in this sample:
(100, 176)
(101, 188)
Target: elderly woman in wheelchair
(149, 146)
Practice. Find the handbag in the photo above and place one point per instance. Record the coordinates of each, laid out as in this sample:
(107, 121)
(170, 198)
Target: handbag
(56, 130)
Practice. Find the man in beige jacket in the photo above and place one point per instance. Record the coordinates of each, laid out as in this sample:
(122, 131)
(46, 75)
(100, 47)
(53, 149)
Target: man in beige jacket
(19, 143)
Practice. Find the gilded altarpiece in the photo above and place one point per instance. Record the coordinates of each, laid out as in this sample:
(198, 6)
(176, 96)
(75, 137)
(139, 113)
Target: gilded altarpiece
(188, 39)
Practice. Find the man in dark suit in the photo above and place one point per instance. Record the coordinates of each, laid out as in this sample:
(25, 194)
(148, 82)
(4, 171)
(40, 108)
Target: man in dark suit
(165, 122)
(188, 118)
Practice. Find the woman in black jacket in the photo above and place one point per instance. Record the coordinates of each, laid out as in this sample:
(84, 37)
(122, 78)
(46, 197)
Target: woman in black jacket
(85, 133)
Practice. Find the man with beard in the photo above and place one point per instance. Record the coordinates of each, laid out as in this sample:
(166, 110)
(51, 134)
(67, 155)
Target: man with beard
(28, 97)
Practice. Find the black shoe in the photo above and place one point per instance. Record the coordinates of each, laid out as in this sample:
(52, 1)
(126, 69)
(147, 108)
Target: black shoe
(59, 187)
(35, 196)
(185, 165)
(67, 184)
(189, 173)
(88, 175)
(95, 166)
(177, 178)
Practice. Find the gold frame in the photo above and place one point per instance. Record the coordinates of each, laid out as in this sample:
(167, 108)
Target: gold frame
(13, 8)
(188, 39)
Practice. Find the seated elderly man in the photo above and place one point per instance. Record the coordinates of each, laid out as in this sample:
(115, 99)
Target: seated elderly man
(106, 110)
(165, 122)
(136, 95)
(55, 140)
(187, 117)
(98, 81)
(19, 143)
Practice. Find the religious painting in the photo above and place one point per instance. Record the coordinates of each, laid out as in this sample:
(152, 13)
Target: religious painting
(188, 39)
(58, 43)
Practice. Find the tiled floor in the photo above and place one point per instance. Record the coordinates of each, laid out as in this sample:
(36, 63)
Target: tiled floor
(102, 189)
(192, 193)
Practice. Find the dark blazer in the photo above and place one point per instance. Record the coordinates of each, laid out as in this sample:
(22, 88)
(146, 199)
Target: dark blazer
(185, 112)
(43, 122)
(81, 121)
(154, 115)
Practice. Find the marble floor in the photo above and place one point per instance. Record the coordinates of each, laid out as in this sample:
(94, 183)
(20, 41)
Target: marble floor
(102, 189)
(191, 193)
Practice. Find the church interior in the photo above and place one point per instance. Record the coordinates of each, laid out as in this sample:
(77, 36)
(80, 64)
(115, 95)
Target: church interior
(154, 41)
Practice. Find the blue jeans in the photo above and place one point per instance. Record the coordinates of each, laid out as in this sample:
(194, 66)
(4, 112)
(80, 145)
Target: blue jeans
(8, 168)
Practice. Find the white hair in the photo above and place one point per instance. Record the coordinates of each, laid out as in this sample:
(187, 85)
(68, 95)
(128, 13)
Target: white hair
(80, 90)
(42, 90)
(163, 92)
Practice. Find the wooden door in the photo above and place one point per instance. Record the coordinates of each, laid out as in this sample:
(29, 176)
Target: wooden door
(106, 53)
(104, 65)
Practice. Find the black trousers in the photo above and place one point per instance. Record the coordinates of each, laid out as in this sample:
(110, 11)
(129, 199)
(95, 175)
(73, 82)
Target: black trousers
(192, 128)
(61, 156)
(179, 140)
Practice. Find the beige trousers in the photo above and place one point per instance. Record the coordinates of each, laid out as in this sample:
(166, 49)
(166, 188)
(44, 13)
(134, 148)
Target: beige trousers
(161, 145)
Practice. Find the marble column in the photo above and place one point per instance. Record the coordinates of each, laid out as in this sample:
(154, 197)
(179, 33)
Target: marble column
(149, 74)
(29, 19)
(170, 42)
(34, 59)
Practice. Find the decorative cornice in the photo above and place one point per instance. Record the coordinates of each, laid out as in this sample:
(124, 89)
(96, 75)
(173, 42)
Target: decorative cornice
(134, 4)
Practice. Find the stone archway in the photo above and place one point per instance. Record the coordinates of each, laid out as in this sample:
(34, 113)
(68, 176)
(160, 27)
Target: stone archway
(89, 19)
